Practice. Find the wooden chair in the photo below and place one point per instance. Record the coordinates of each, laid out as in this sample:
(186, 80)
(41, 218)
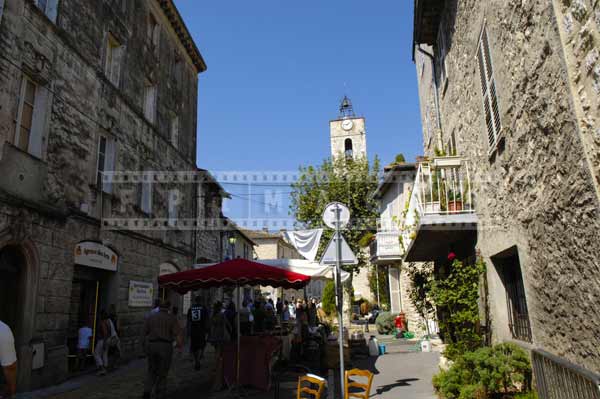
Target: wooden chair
(308, 390)
(353, 384)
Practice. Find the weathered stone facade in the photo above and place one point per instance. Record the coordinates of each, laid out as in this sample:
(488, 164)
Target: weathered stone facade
(536, 193)
(85, 68)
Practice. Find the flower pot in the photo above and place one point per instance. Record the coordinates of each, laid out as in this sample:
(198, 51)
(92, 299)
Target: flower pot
(455, 206)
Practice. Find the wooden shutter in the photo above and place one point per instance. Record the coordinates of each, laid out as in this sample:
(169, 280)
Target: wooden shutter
(146, 200)
(394, 281)
(488, 89)
(109, 164)
(52, 10)
(1, 9)
(38, 126)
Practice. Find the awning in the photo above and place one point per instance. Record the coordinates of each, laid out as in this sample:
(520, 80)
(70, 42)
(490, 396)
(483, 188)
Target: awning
(235, 272)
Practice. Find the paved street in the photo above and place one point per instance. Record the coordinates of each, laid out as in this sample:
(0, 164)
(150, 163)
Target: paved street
(404, 375)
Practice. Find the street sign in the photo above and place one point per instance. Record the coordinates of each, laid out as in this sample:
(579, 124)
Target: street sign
(329, 215)
(329, 256)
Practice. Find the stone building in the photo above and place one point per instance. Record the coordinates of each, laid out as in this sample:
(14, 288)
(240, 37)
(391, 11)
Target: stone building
(393, 195)
(95, 96)
(510, 101)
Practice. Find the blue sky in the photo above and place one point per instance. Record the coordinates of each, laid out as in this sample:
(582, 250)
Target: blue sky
(277, 71)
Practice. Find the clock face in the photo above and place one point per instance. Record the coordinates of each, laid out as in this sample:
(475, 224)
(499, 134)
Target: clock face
(347, 124)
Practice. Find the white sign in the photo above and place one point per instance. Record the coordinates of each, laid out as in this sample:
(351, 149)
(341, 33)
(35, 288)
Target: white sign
(94, 254)
(329, 256)
(140, 294)
(330, 218)
(167, 268)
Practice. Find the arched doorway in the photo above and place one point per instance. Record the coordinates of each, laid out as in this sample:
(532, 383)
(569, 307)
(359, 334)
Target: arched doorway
(12, 271)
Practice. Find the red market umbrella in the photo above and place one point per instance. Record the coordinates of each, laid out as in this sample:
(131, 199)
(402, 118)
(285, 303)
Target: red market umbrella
(236, 272)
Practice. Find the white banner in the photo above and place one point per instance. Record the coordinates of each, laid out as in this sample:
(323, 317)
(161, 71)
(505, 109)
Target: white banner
(305, 241)
(94, 254)
(140, 294)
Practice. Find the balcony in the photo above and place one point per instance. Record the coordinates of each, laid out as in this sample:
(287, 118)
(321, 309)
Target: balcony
(386, 249)
(441, 214)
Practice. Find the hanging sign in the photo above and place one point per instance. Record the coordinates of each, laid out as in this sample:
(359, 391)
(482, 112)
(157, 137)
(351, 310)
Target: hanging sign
(94, 254)
(140, 294)
(329, 258)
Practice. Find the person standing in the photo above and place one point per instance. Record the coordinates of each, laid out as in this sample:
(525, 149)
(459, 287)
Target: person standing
(101, 350)
(197, 319)
(220, 333)
(8, 358)
(160, 330)
(84, 338)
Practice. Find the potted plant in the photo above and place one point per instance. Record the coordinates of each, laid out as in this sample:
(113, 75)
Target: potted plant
(455, 203)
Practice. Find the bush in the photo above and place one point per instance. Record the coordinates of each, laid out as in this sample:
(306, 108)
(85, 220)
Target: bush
(329, 298)
(504, 368)
(385, 323)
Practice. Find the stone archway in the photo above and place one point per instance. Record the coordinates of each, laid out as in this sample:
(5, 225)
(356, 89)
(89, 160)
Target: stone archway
(20, 263)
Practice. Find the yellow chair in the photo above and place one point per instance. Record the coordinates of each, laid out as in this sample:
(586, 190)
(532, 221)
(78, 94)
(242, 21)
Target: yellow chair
(353, 384)
(305, 384)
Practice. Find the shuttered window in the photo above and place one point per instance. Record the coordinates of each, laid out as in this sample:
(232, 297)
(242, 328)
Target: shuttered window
(488, 88)
(442, 48)
(114, 56)
(105, 163)
(146, 193)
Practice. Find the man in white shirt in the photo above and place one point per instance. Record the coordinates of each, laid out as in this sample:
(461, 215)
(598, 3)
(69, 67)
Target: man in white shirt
(85, 335)
(8, 358)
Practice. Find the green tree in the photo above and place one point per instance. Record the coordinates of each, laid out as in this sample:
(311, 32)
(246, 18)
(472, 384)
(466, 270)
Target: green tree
(351, 182)
(399, 158)
(329, 298)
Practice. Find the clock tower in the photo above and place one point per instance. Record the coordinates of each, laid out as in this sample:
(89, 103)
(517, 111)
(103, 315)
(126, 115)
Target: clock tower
(348, 133)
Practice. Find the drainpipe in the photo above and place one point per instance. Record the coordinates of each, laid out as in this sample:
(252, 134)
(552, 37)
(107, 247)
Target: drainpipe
(436, 96)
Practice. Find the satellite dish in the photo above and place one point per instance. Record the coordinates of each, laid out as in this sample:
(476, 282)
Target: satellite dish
(330, 215)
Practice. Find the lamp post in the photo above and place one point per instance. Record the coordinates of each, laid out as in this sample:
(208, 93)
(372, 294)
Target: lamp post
(232, 241)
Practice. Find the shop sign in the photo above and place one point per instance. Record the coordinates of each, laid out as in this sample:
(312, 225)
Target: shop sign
(94, 254)
(140, 294)
(167, 268)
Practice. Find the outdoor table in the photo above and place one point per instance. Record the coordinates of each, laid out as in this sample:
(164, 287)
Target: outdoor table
(256, 360)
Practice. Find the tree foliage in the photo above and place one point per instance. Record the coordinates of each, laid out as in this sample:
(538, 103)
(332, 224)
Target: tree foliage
(456, 297)
(384, 294)
(351, 182)
(329, 298)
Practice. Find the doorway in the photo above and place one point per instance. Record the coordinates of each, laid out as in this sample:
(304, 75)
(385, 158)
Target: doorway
(12, 265)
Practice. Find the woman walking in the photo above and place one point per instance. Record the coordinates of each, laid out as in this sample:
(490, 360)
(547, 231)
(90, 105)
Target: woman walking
(220, 333)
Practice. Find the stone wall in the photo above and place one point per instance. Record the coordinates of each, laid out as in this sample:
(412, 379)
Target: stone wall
(66, 61)
(537, 192)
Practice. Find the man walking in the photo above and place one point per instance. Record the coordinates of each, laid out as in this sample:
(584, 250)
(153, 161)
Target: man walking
(8, 358)
(198, 319)
(160, 329)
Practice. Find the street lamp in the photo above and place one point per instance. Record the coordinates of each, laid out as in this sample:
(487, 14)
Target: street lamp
(232, 240)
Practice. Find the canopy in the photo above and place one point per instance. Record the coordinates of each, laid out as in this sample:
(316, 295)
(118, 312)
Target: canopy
(315, 270)
(233, 272)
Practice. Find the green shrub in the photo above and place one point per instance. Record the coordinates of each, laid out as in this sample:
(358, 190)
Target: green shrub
(385, 323)
(527, 395)
(329, 298)
(504, 368)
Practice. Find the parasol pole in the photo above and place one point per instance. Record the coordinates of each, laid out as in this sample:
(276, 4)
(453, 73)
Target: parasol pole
(238, 335)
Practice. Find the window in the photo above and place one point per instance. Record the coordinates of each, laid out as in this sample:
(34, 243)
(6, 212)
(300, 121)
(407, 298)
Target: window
(30, 121)
(105, 163)
(146, 194)
(114, 54)
(348, 149)
(153, 34)
(488, 89)
(442, 48)
(174, 198)
(150, 101)
(510, 271)
(175, 131)
(48, 7)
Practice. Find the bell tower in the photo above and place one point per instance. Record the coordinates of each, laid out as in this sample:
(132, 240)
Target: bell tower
(347, 133)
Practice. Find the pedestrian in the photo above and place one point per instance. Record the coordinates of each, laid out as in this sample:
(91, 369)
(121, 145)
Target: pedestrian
(220, 334)
(246, 319)
(115, 344)
(160, 330)
(286, 312)
(230, 314)
(101, 351)
(155, 308)
(84, 339)
(8, 358)
(312, 313)
(197, 318)
(292, 309)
